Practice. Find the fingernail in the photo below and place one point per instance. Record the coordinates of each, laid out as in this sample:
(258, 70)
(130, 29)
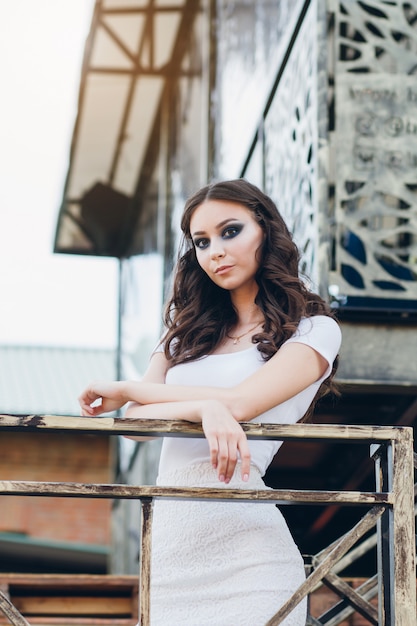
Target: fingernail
(227, 481)
(246, 477)
(221, 478)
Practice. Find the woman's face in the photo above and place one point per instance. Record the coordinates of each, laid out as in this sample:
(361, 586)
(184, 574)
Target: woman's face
(227, 241)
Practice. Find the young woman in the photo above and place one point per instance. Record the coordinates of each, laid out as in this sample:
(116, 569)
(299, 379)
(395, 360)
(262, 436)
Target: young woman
(245, 341)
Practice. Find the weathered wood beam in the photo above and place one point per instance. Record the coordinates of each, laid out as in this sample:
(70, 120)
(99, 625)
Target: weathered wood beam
(59, 582)
(354, 554)
(11, 612)
(403, 531)
(78, 490)
(365, 546)
(312, 621)
(155, 427)
(145, 562)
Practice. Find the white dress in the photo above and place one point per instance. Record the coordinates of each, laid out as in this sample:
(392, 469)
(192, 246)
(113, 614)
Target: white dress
(228, 564)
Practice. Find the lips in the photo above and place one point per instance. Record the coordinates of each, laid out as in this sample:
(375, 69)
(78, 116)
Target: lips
(223, 269)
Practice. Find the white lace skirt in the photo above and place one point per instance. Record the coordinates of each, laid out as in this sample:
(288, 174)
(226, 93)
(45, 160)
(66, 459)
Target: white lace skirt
(221, 563)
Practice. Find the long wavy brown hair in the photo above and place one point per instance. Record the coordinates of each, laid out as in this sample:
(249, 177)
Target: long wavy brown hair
(199, 314)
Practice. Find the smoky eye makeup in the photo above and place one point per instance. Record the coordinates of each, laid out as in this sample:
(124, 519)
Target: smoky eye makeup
(231, 230)
(227, 232)
(201, 243)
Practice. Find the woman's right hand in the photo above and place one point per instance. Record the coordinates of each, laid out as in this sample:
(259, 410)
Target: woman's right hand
(102, 397)
(227, 440)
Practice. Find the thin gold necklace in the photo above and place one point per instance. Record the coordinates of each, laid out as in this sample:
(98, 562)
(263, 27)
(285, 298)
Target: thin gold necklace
(239, 337)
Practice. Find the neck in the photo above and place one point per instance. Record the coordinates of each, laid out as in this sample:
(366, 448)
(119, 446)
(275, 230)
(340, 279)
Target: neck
(250, 319)
(247, 310)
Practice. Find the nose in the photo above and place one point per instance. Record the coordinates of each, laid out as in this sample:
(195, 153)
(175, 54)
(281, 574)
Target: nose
(216, 248)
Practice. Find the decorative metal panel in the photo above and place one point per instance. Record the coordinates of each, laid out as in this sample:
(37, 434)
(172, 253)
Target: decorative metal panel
(291, 139)
(375, 150)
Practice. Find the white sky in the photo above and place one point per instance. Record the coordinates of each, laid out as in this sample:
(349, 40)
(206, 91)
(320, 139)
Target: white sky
(44, 298)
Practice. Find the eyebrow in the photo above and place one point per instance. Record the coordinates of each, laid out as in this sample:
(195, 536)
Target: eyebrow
(218, 226)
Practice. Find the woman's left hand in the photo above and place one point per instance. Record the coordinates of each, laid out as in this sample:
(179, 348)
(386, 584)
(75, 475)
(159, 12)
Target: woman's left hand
(227, 440)
(105, 396)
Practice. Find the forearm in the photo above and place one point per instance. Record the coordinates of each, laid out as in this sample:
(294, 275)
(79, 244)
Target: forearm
(191, 411)
(181, 397)
(242, 400)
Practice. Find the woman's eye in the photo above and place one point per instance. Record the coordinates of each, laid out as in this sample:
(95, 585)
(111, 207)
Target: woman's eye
(201, 243)
(231, 231)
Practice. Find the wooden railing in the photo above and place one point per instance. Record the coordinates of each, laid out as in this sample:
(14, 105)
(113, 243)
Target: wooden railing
(391, 507)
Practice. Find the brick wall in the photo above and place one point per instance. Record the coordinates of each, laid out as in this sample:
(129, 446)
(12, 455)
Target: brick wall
(54, 458)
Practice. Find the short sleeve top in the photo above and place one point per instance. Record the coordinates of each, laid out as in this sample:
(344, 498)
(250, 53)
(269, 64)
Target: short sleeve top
(320, 332)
